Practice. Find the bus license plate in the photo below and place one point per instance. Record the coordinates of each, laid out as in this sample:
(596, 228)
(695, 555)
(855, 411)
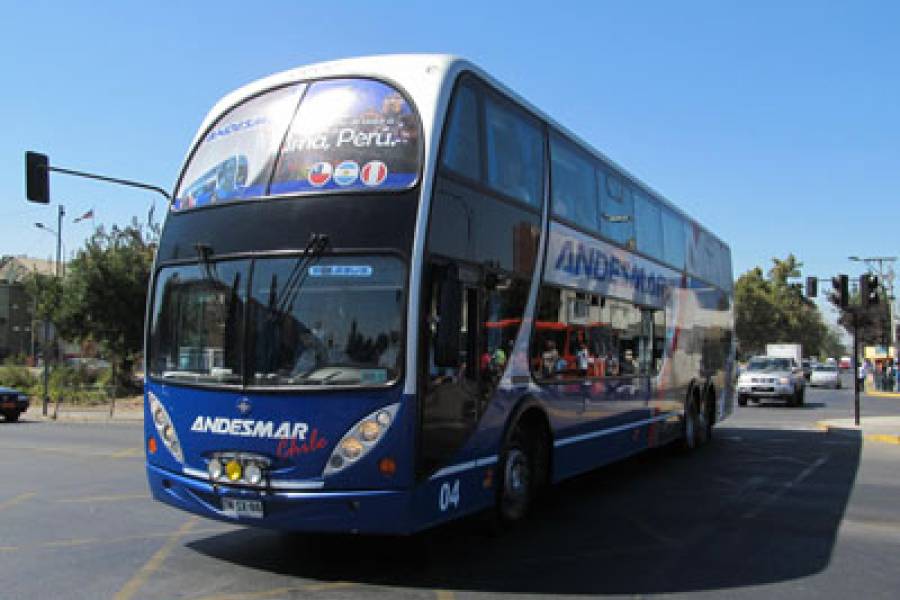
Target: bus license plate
(237, 507)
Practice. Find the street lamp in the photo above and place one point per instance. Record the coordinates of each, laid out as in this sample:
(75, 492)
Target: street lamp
(58, 233)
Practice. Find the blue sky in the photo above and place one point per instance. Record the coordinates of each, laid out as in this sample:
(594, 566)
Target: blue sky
(776, 124)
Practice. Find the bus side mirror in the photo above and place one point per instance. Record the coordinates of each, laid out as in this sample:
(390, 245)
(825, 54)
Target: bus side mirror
(37, 177)
(446, 339)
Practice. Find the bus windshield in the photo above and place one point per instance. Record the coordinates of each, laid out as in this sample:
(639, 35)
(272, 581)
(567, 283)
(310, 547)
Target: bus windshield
(305, 321)
(331, 135)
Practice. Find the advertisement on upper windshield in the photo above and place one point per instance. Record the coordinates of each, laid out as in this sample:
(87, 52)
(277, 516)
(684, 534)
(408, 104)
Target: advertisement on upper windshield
(345, 134)
(349, 134)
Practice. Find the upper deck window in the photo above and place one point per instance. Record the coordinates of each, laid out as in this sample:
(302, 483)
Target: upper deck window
(515, 151)
(344, 134)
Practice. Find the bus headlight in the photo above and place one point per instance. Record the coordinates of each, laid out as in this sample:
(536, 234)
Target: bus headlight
(215, 469)
(360, 439)
(164, 427)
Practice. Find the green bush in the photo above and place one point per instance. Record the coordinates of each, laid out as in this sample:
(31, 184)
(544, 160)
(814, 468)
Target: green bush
(76, 385)
(17, 377)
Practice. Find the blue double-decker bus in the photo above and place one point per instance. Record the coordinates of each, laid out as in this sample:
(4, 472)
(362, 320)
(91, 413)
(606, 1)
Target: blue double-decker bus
(416, 297)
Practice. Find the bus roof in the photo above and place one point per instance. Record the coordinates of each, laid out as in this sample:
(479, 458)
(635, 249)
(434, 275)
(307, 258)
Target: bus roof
(422, 76)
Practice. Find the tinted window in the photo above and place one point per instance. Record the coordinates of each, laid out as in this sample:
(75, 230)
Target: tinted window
(573, 184)
(197, 325)
(334, 321)
(616, 209)
(235, 158)
(462, 148)
(673, 238)
(580, 335)
(515, 152)
(648, 225)
(349, 134)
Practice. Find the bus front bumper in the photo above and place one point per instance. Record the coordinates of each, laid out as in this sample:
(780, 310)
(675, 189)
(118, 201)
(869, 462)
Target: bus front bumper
(338, 511)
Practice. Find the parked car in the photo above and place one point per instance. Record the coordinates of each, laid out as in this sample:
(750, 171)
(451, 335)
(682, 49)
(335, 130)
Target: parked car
(826, 376)
(772, 378)
(12, 403)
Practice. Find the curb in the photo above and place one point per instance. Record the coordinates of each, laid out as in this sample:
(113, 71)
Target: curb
(878, 394)
(881, 438)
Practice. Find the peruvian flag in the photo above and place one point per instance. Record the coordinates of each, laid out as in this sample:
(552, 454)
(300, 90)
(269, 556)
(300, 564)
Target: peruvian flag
(374, 173)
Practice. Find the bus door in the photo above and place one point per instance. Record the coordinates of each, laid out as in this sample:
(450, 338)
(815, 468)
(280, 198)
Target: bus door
(452, 392)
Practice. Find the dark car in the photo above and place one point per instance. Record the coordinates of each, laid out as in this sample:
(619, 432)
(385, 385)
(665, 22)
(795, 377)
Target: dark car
(12, 403)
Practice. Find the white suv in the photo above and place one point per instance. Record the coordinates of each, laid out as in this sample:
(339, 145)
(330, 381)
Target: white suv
(771, 378)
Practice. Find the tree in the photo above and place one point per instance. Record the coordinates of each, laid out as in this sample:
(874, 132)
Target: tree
(873, 321)
(832, 346)
(105, 291)
(772, 309)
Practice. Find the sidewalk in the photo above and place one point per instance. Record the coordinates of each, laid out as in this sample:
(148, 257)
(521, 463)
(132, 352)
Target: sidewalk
(126, 410)
(885, 430)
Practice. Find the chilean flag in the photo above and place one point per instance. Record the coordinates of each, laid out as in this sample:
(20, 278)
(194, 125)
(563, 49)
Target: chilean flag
(374, 173)
(320, 174)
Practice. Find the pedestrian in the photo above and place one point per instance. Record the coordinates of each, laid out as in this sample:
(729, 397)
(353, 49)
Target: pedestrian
(861, 376)
(583, 357)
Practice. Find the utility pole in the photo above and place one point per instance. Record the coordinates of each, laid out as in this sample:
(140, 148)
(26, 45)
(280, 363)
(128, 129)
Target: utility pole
(58, 271)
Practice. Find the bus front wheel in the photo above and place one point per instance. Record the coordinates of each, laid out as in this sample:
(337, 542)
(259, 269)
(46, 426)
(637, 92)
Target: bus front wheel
(519, 480)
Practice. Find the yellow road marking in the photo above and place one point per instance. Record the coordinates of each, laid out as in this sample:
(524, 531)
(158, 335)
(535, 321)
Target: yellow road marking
(155, 562)
(69, 543)
(113, 498)
(107, 541)
(282, 591)
(16, 500)
(72, 451)
(883, 438)
(128, 453)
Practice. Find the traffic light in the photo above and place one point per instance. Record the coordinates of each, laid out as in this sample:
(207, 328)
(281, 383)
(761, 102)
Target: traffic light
(868, 289)
(37, 177)
(812, 287)
(840, 295)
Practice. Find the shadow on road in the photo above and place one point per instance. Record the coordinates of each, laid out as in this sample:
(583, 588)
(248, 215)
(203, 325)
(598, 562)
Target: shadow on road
(753, 507)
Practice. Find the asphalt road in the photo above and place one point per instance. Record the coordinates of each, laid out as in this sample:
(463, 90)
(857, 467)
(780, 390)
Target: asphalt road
(771, 508)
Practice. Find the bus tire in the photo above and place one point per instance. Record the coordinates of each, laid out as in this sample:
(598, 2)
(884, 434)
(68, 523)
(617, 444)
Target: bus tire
(11, 417)
(518, 476)
(691, 423)
(742, 400)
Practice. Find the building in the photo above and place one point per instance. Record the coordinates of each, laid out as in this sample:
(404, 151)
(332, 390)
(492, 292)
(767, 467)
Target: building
(17, 326)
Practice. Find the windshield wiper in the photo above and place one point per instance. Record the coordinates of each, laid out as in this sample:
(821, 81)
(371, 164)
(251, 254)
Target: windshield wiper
(314, 248)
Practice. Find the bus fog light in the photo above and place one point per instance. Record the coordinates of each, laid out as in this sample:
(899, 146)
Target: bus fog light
(215, 469)
(336, 462)
(253, 474)
(369, 431)
(351, 448)
(233, 470)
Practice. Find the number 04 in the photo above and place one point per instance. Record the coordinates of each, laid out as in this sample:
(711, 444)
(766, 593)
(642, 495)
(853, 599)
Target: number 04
(449, 495)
